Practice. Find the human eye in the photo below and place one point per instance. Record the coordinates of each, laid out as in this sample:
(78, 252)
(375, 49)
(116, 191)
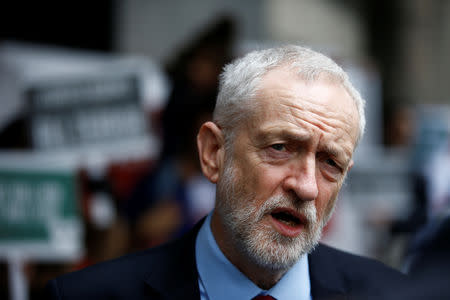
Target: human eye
(278, 147)
(277, 152)
(331, 163)
(331, 168)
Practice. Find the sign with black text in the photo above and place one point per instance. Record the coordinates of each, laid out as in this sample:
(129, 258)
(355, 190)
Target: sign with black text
(77, 112)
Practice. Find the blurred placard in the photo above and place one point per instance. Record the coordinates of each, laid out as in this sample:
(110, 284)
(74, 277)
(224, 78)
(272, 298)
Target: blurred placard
(38, 213)
(91, 105)
(433, 134)
(84, 111)
(383, 182)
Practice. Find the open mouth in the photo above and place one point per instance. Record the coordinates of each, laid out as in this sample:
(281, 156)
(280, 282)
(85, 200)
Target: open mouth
(287, 222)
(286, 217)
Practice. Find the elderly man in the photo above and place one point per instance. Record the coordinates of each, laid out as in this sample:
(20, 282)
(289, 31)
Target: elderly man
(286, 123)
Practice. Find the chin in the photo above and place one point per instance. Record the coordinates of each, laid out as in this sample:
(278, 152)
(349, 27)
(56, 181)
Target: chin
(272, 251)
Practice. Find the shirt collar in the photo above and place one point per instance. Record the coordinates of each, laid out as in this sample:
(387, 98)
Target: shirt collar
(222, 280)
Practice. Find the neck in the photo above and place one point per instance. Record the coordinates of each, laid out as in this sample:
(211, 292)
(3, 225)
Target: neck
(263, 277)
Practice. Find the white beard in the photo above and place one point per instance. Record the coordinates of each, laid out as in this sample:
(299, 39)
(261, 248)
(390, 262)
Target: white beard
(257, 241)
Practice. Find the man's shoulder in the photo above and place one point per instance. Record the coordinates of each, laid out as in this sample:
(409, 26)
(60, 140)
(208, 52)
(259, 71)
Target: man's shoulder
(323, 251)
(138, 263)
(351, 274)
(130, 276)
(352, 263)
(111, 277)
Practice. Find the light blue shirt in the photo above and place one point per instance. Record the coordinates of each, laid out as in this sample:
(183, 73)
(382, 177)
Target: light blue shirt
(219, 279)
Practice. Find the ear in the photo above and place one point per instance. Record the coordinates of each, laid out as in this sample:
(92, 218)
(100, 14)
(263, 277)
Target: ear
(210, 143)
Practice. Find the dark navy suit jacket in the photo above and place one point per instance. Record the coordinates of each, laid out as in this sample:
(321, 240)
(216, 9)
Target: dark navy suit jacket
(169, 272)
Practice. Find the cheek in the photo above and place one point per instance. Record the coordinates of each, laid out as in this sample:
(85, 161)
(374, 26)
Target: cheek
(326, 199)
(267, 180)
(259, 182)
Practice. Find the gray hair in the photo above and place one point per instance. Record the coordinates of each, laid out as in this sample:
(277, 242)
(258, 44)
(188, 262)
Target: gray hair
(239, 81)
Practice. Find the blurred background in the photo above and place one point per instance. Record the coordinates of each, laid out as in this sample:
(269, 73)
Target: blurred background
(100, 103)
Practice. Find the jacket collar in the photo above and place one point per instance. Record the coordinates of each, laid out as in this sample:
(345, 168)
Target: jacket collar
(326, 280)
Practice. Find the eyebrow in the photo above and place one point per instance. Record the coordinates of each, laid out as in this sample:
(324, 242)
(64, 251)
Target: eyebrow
(301, 137)
(335, 152)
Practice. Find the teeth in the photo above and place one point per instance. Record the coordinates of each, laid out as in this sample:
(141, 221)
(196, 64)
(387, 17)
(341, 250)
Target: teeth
(290, 223)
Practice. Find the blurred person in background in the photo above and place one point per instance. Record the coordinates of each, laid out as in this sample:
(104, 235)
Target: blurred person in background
(286, 123)
(174, 195)
(427, 255)
(399, 131)
(430, 168)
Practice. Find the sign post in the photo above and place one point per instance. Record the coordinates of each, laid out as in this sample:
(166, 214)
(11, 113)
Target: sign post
(18, 284)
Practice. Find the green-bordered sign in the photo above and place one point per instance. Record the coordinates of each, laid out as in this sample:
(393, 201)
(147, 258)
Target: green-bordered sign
(39, 214)
(32, 200)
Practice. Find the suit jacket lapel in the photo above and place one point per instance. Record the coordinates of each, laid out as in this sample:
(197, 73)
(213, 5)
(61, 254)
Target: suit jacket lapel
(326, 281)
(174, 271)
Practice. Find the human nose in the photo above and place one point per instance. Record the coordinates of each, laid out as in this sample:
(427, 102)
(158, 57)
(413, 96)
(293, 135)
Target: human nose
(302, 179)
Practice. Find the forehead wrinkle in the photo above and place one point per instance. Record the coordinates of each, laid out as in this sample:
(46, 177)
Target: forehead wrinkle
(327, 119)
(300, 117)
(301, 129)
(305, 113)
(297, 113)
(329, 123)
